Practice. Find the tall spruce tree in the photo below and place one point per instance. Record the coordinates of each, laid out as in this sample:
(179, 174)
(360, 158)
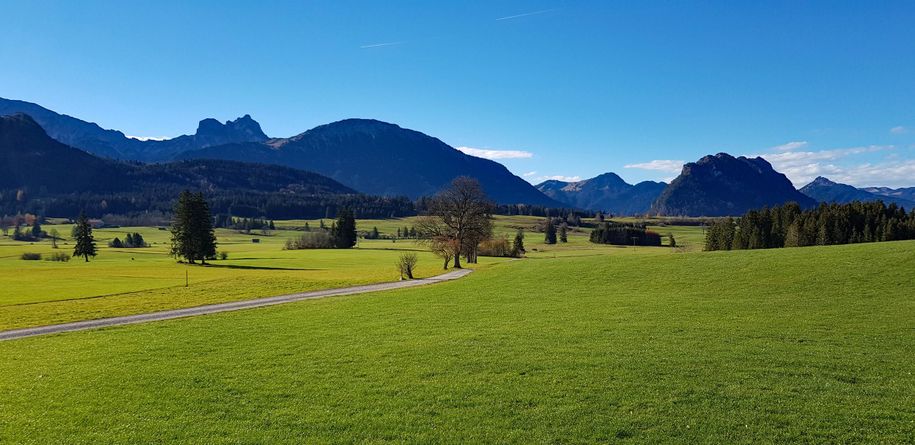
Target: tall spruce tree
(192, 229)
(549, 232)
(85, 242)
(518, 244)
(563, 233)
(344, 231)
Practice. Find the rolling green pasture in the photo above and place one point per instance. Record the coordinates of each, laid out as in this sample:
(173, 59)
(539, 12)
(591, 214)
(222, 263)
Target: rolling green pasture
(129, 281)
(804, 345)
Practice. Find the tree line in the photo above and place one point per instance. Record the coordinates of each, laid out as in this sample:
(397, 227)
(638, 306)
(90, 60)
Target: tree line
(624, 234)
(828, 224)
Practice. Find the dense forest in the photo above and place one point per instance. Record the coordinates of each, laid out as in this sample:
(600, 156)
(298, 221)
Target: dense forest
(272, 205)
(624, 235)
(790, 226)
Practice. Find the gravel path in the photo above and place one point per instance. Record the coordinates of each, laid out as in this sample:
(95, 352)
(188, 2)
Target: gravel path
(225, 307)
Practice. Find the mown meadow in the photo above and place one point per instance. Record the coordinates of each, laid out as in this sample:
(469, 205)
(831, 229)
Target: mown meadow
(803, 345)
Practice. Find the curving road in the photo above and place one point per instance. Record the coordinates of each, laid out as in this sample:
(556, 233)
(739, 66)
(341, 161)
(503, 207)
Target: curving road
(225, 307)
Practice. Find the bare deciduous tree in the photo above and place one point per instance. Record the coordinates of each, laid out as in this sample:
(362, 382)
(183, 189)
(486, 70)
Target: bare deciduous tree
(405, 265)
(459, 218)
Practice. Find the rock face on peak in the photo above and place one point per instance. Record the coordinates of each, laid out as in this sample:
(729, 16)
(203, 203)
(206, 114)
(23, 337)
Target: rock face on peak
(824, 190)
(607, 192)
(722, 185)
(212, 132)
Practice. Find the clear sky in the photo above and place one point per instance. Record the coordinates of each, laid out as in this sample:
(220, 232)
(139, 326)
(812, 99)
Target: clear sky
(551, 88)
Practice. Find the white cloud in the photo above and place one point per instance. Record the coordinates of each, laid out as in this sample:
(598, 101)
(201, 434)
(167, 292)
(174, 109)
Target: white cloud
(899, 130)
(801, 167)
(529, 174)
(561, 178)
(790, 146)
(148, 138)
(886, 174)
(663, 165)
(496, 154)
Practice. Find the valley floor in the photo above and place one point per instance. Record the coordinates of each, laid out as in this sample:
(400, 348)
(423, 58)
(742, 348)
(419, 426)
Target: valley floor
(808, 345)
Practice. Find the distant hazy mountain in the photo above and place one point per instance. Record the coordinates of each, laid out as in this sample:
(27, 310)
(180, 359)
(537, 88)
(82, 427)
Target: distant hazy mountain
(30, 160)
(723, 185)
(824, 190)
(607, 192)
(114, 144)
(381, 159)
(900, 193)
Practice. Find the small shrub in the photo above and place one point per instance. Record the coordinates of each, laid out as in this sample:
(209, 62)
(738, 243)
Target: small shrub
(59, 256)
(498, 247)
(28, 256)
(311, 240)
(405, 264)
(223, 255)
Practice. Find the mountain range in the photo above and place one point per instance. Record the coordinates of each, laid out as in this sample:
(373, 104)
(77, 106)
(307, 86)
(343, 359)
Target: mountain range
(370, 156)
(824, 190)
(607, 192)
(42, 176)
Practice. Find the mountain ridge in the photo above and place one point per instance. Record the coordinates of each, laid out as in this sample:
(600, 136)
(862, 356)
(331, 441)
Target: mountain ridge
(606, 192)
(724, 185)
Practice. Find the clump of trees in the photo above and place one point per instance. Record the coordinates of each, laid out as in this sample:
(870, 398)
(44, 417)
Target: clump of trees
(85, 242)
(59, 257)
(790, 226)
(341, 234)
(311, 240)
(193, 238)
(497, 247)
(132, 241)
(624, 235)
(459, 219)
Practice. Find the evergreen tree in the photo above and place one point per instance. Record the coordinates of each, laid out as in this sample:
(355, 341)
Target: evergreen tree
(344, 231)
(36, 229)
(192, 229)
(563, 233)
(116, 243)
(129, 240)
(549, 232)
(138, 240)
(85, 242)
(518, 244)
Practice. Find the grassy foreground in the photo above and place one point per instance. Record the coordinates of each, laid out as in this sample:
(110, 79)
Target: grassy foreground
(809, 345)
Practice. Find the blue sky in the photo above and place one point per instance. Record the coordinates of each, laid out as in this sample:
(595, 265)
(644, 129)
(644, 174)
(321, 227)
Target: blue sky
(549, 88)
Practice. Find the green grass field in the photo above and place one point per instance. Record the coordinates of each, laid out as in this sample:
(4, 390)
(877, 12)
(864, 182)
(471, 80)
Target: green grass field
(130, 281)
(805, 345)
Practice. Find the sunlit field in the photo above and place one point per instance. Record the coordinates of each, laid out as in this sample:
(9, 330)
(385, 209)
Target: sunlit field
(802, 345)
(128, 281)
